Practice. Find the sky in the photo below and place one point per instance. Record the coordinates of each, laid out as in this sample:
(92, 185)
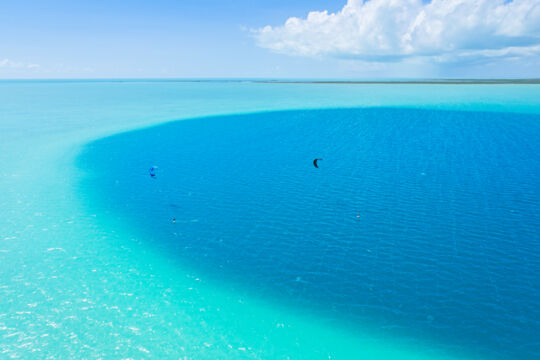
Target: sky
(314, 39)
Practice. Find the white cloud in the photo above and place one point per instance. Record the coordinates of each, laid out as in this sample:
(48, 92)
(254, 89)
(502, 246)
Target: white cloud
(6, 63)
(10, 64)
(393, 30)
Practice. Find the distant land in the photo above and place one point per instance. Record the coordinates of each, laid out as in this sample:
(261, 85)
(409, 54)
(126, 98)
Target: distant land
(426, 81)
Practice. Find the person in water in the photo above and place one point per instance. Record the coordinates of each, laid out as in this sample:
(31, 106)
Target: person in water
(174, 220)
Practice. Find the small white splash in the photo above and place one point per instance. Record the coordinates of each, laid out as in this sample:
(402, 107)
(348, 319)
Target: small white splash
(12, 334)
(144, 350)
(56, 249)
(53, 324)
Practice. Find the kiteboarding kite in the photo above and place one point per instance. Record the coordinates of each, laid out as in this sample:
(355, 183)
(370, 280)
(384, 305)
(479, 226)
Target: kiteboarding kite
(315, 163)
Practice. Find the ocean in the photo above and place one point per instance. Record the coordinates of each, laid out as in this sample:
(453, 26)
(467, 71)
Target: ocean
(416, 238)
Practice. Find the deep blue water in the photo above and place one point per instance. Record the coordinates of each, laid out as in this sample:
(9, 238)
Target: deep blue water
(418, 223)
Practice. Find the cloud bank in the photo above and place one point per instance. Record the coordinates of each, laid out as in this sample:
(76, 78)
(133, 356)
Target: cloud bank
(394, 30)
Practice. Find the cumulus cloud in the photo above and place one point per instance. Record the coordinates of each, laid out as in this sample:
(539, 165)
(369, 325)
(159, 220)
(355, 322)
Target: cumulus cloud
(393, 30)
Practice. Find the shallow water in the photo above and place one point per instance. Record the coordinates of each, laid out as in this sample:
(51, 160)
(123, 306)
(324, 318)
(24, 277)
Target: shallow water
(78, 281)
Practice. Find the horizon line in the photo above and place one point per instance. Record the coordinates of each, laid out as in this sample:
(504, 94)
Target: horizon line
(405, 81)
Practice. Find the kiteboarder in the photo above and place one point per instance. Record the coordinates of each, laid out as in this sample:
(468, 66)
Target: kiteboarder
(152, 171)
(315, 163)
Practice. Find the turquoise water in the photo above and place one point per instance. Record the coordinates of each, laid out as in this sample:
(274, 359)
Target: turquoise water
(87, 269)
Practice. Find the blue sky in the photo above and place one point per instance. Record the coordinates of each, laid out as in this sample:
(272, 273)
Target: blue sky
(258, 38)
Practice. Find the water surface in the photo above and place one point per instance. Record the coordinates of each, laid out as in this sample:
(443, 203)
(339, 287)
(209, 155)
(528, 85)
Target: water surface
(419, 224)
(82, 279)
